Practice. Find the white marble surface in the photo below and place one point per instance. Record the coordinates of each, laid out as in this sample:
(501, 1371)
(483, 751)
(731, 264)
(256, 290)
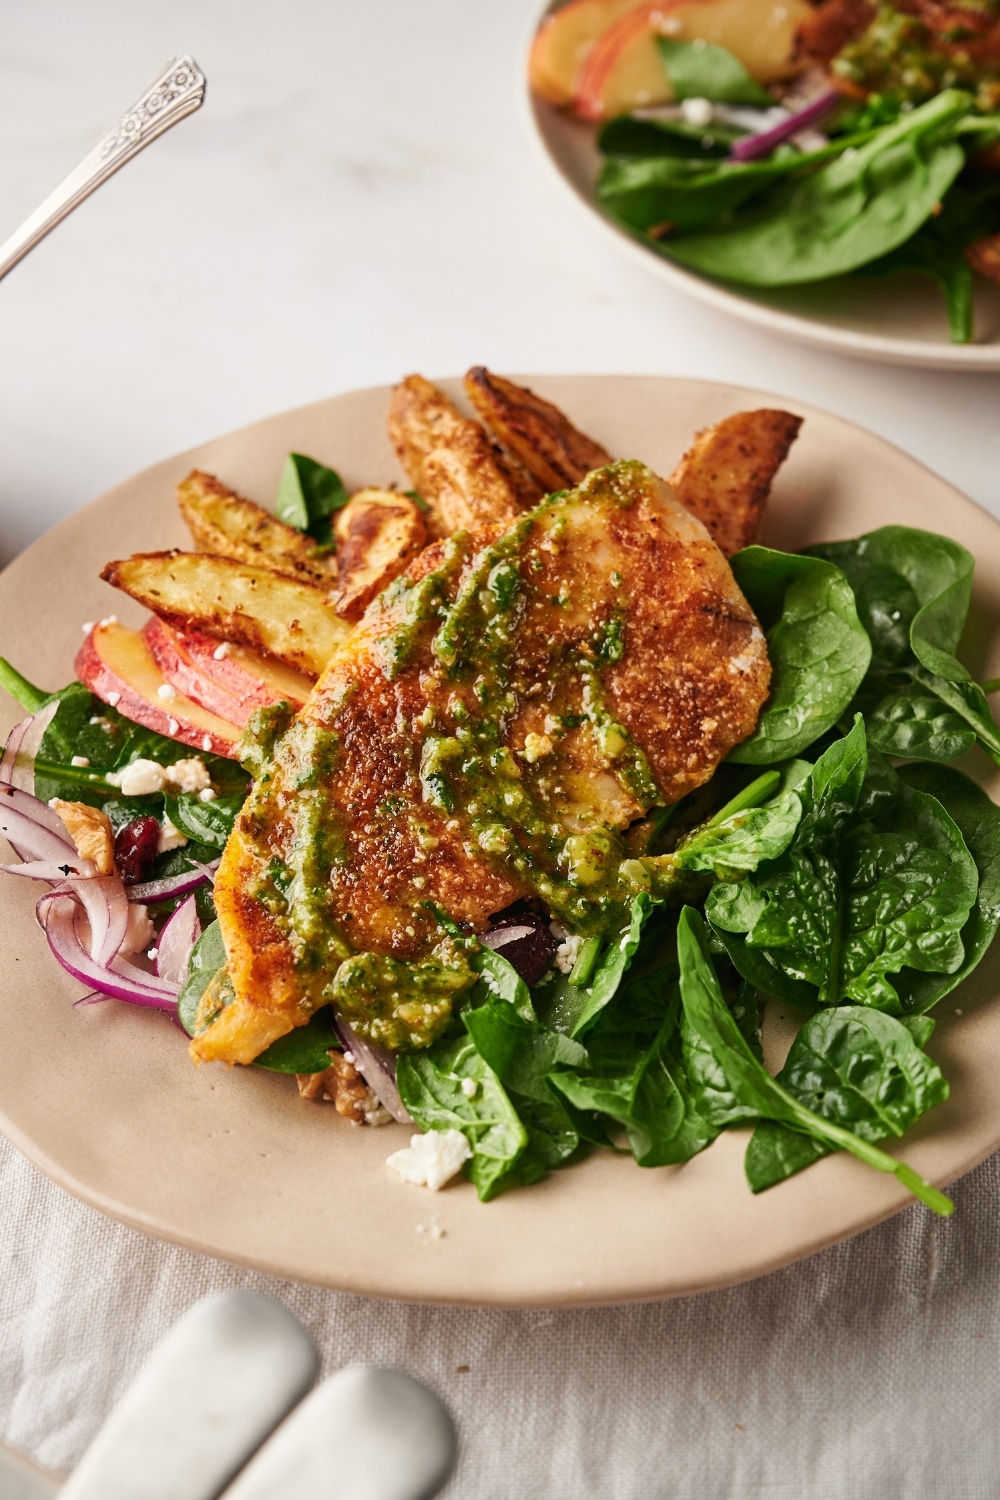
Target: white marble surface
(356, 199)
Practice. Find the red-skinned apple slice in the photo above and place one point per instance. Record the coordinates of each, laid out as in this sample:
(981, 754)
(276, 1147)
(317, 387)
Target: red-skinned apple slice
(118, 666)
(230, 681)
(563, 42)
(624, 71)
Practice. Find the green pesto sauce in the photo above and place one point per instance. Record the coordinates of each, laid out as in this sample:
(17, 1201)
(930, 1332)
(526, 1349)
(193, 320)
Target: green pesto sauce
(897, 58)
(401, 1006)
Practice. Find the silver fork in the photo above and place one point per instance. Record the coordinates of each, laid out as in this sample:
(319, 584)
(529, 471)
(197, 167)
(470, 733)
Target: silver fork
(176, 91)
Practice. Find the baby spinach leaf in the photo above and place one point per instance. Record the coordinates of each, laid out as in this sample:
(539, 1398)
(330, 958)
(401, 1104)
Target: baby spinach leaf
(209, 823)
(635, 1074)
(818, 648)
(857, 1067)
(979, 821)
(703, 70)
(860, 206)
(612, 967)
(304, 1050)
(693, 194)
(430, 1085)
(628, 136)
(309, 495)
(877, 879)
(913, 590)
(732, 1087)
(207, 957)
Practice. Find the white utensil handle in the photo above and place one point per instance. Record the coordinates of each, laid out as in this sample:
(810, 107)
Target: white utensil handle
(210, 1393)
(175, 93)
(364, 1434)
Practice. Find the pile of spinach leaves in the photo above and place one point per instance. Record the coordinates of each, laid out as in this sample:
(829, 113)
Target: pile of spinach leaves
(892, 189)
(856, 889)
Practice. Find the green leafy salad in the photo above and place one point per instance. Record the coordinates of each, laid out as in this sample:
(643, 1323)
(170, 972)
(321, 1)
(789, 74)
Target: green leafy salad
(894, 176)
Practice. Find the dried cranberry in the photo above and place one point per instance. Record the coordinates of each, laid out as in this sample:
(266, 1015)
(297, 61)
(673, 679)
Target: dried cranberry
(135, 848)
(524, 939)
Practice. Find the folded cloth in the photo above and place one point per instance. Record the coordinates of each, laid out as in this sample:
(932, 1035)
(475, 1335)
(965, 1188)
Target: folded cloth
(871, 1369)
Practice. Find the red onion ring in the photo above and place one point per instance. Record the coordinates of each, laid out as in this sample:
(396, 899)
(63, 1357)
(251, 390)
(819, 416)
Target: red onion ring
(57, 913)
(103, 899)
(17, 768)
(173, 885)
(753, 147)
(376, 1067)
(177, 937)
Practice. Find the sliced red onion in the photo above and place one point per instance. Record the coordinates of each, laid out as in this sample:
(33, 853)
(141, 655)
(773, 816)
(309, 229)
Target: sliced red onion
(23, 743)
(753, 147)
(376, 1067)
(57, 913)
(172, 885)
(34, 831)
(44, 869)
(209, 871)
(104, 901)
(177, 937)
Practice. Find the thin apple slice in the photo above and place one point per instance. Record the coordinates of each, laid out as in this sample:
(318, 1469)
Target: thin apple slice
(229, 680)
(564, 41)
(624, 71)
(118, 666)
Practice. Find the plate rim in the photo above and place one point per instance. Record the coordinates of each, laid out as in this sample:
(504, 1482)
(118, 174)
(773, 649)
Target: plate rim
(202, 1242)
(969, 359)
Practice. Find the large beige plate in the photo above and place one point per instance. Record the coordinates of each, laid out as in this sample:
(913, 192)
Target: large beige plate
(900, 320)
(105, 1100)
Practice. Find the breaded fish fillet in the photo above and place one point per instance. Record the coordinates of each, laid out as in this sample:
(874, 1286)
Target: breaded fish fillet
(499, 716)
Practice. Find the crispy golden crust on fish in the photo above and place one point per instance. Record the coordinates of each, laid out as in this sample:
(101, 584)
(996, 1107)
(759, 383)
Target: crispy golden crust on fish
(725, 477)
(631, 665)
(451, 462)
(537, 433)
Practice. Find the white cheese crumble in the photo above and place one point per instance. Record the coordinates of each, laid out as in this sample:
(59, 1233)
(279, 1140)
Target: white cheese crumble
(79, 760)
(141, 777)
(221, 651)
(433, 1159)
(100, 722)
(206, 742)
(170, 837)
(206, 794)
(173, 725)
(189, 775)
(87, 626)
(114, 699)
(470, 1087)
(109, 620)
(567, 953)
(166, 691)
(140, 931)
(536, 746)
(697, 112)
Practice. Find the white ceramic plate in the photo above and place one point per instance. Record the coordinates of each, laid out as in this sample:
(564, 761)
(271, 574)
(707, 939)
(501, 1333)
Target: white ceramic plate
(899, 319)
(231, 1162)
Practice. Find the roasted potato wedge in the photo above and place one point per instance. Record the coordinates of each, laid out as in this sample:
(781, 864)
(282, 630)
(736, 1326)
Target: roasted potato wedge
(235, 601)
(451, 462)
(725, 478)
(378, 534)
(537, 433)
(222, 522)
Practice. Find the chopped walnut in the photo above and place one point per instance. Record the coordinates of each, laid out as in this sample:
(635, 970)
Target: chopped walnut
(984, 256)
(90, 830)
(343, 1084)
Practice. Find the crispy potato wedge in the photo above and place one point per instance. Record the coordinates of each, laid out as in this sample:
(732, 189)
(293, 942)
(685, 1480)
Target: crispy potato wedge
(235, 601)
(222, 522)
(378, 534)
(451, 462)
(537, 433)
(725, 478)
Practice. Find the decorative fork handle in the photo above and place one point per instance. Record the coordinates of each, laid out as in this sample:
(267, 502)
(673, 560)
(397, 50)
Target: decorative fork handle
(176, 92)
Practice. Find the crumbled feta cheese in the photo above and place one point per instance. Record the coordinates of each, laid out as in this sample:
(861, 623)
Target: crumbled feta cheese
(153, 953)
(170, 837)
(87, 626)
(114, 699)
(206, 742)
(101, 723)
(535, 747)
(109, 620)
(567, 953)
(79, 760)
(221, 651)
(374, 1110)
(433, 1159)
(140, 931)
(141, 777)
(470, 1087)
(173, 725)
(206, 794)
(188, 775)
(697, 112)
(166, 691)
